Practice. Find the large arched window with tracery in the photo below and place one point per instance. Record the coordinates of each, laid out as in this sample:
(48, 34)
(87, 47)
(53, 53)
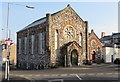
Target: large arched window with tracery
(94, 45)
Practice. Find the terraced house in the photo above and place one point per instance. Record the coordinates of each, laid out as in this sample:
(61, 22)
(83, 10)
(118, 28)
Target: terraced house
(59, 39)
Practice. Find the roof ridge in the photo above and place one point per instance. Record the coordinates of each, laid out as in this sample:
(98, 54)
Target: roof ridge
(30, 25)
(38, 19)
(61, 10)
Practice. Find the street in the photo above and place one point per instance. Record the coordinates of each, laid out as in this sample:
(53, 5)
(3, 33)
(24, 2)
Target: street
(88, 72)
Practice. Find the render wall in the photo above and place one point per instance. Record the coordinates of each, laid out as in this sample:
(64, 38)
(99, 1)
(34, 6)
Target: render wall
(108, 52)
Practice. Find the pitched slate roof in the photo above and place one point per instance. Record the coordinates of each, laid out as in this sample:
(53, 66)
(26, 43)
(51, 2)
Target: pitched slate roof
(109, 37)
(106, 38)
(42, 20)
(39, 21)
(116, 35)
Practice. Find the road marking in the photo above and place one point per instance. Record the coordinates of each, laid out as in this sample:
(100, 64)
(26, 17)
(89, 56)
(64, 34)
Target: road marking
(78, 68)
(109, 73)
(21, 75)
(72, 74)
(100, 73)
(16, 75)
(82, 74)
(54, 75)
(64, 74)
(91, 73)
(31, 80)
(37, 75)
(30, 75)
(46, 75)
(27, 78)
(78, 77)
(56, 80)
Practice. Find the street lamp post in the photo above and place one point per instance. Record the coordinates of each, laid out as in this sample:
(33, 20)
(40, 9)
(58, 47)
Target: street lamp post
(31, 7)
(8, 38)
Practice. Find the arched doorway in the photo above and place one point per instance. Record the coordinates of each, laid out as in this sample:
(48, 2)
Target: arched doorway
(74, 57)
(93, 56)
(70, 54)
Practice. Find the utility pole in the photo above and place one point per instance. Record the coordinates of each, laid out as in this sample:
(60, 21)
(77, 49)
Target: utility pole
(86, 42)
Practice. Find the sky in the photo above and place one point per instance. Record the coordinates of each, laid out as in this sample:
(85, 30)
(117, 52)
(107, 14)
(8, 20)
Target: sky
(101, 16)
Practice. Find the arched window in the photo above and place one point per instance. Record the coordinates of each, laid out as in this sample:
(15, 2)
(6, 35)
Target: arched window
(56, 39)
(19, 42)
(41, 42)
(32, 45)
(80, 39)
(25, 45)
(94, 45)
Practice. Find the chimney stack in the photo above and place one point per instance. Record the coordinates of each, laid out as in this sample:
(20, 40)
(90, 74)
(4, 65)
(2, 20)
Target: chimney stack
(102, 34)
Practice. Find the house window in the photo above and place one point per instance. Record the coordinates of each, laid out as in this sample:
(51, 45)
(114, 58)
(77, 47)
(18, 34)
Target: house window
(32, 47)
(25, 44)
(80, 39)
(56, 39)
(19, 41)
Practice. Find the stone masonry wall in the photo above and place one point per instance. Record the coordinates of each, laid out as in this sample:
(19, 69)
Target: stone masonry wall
(59, 22)
(36, 60)
(98, 43)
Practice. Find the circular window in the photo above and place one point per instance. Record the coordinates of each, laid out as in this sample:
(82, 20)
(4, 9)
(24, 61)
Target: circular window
(69, 33)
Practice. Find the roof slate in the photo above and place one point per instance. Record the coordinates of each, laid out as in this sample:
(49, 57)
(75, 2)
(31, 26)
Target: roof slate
(42, 20)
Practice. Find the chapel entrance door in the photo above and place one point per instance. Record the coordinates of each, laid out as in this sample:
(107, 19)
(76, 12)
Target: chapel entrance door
(74, 58)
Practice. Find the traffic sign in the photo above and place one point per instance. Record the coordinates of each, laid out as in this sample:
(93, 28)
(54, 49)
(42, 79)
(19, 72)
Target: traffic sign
(8, 42)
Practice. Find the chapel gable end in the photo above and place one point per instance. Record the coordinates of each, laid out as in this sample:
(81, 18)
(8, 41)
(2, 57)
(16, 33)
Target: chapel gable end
(67, 14)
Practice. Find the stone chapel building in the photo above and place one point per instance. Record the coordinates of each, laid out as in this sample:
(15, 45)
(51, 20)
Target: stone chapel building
(59, 39)
(95, 47)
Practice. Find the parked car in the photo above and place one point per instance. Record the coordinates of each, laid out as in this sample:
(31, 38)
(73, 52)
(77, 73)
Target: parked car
(117, 61)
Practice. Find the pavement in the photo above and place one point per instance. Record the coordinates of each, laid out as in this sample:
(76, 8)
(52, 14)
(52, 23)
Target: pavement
(0, 73)
(100, 72)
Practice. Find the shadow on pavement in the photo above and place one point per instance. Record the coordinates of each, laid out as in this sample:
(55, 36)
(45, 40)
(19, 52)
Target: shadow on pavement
(16, 79)
(62, 81)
